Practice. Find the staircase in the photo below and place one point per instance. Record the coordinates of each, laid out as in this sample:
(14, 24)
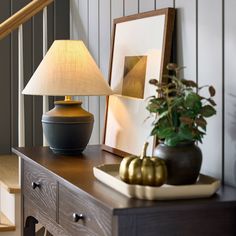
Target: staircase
(9, 196)
(22, 118)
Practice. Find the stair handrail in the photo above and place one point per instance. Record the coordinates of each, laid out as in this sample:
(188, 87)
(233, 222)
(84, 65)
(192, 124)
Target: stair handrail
(21, 16)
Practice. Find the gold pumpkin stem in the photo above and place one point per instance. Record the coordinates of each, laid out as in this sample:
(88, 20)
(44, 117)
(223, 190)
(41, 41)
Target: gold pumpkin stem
(144, 150)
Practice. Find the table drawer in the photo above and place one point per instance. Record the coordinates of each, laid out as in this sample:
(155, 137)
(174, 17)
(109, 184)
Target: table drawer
(40, 187)
(80, 216)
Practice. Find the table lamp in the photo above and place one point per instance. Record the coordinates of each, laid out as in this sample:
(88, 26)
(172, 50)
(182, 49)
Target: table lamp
(67, 70)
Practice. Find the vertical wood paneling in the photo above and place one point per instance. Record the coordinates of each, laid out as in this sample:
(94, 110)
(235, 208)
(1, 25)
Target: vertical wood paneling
(14, 84)
(5, 62)
(93, 30)
(230, 92)
(61, 19)
(131, 7)
(37, 57)
(74, 19)
(15, 6)
(50, 19)
(146, 5)
(93, 40)
(79, 20)
(105, 35)
(27, 44)
(82, 33)
(164, 3)
(32, 40)
(186, 37)
(28, 65)
(117, 9)
(83, 24)
(104, 46)
(210, 72)
(61, 23)
(50, 25)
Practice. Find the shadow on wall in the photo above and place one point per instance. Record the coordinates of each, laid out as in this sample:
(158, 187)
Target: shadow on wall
(232, 133)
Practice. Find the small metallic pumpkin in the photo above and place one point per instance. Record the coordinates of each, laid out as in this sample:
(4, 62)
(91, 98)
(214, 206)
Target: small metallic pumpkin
(143, 170)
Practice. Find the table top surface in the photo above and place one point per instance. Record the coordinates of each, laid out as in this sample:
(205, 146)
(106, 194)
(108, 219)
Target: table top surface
(77, 172)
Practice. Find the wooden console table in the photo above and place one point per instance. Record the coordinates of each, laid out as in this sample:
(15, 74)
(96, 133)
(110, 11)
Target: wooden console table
(62, 194)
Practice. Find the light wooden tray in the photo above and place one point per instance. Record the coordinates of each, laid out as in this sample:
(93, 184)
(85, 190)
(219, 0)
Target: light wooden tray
(206, 186)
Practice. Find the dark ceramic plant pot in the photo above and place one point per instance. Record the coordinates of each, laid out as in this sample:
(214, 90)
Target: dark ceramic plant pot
(183, 162)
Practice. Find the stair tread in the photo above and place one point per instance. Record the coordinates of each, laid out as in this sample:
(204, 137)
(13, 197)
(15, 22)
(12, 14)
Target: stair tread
(9, 173)
(5, 224)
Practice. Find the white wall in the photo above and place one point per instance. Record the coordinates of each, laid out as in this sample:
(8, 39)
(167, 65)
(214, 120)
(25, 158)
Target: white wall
(205, 44)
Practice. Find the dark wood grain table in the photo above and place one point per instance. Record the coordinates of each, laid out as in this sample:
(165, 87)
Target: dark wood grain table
(61, 193)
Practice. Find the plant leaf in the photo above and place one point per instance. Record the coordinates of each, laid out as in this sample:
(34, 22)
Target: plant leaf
(189, 83)
(207, 111)
(153, 107)
(211, 101)
(164, 132)
(185, 132)
(201, 122)
(186, 120)
(153, 81)
(212, 91)
(175, 119)
(173, 140)
(191, 99)
(196, 108)
(163, 114)
(154, 131)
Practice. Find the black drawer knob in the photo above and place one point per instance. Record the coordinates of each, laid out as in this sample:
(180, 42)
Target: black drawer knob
(77, 217)
(35, 185)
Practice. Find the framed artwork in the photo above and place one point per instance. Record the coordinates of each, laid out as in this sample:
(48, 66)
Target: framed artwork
(141, 50)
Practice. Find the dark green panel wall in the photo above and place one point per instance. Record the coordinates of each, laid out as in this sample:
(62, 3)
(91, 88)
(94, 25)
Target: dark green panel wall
(37, 41)
(61, 19)
(58, 27)
(5, 84)
(28, 66)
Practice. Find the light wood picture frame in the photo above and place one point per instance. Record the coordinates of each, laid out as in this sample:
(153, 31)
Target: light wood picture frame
(141, 49)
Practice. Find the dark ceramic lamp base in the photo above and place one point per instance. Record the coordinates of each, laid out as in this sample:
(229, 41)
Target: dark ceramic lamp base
(67, 127)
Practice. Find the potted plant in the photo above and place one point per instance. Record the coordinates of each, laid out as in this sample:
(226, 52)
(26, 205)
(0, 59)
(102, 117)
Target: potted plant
(180, 121)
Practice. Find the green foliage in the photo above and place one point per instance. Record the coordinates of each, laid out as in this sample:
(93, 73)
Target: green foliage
(180, 111)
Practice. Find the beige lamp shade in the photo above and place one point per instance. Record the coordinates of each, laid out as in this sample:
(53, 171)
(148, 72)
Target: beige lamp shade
(67, 69)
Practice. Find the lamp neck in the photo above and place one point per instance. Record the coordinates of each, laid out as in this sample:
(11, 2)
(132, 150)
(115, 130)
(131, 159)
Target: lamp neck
(68, 98)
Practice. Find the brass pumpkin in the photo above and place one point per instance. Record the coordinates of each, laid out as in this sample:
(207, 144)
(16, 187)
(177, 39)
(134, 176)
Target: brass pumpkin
(143, 170)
